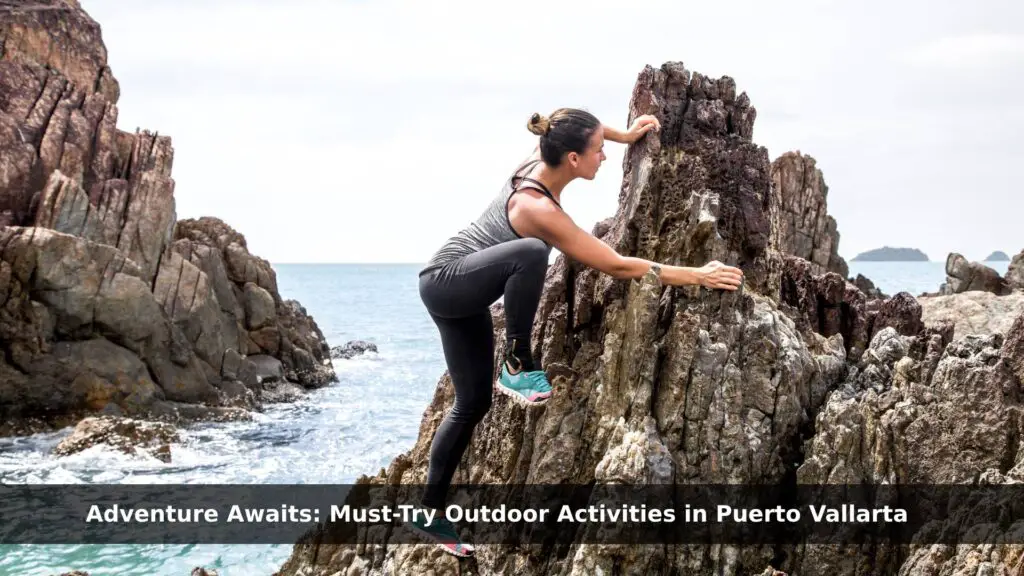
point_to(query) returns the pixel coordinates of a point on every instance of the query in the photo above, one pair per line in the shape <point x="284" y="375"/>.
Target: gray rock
<point x="352" y="349"/>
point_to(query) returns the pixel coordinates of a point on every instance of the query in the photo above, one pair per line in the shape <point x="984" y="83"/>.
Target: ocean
<point x="330" y="436"/>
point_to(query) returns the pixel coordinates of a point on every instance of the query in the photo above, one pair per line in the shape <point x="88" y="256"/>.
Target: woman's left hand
<point x="642" y="125"/>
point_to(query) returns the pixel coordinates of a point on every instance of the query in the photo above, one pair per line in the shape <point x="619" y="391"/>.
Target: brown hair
<point x="566" y="130"/>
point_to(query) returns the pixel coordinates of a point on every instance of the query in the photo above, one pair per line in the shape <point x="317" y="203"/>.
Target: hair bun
<point x="538" y="124"/>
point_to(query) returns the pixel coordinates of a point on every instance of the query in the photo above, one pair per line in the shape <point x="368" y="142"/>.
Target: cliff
<point x="656" y="385"/>
<point x="806" y="229"/>
<point x="109" y="303"/>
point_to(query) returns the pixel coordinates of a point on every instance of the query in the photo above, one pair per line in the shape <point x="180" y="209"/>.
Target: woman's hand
<point x="714" y="274"/>
<point x="642" y="125"/>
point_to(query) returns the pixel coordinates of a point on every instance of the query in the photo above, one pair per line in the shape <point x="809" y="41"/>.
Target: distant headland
<point x="888" y="254"/>
<point x="998" y="256"/>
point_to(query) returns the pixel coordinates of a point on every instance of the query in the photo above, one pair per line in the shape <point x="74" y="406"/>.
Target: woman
<point x="505" y="253"/>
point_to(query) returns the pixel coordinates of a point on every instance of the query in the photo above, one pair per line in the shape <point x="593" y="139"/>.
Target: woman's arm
<point x="543" y="220"/>
<point x="642" y="125"/>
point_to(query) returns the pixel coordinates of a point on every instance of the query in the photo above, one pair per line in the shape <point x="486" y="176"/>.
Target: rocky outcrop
<point x="828" y="305"/>
<point x="798" y="378"/>
<point x="107" y="301"/>
<point x="127" y="435"/>
<point x="711" y="386"/>
<point x="920" y="412"/>
<point x="806" y="229"/>
<point x="965" y="276"/>
<point x="865" y="285"/>
<point x="1015" y="272"/>
<point x="980" y="313"/>
<point x="997" y="256"/>
<point x="352" y="349"/>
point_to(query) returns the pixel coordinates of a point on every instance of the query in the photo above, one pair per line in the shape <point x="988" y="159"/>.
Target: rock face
<point x="965" y="276"/>
<point x="127" y="435"/>
<point x="980" y="313"/>
<point x="806" y="229"/>
<point x="107" y="301"/>
<point x="1015" y="272"/>
<point x="798" y="377"/>
<point x="826" y="304"/>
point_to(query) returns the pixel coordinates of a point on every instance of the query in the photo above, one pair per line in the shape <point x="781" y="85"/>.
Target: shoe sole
<point x="518" y="398"/>
<point x="429" y="536"/>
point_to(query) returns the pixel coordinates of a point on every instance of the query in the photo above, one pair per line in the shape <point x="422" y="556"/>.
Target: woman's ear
<point x="574" y="159"/>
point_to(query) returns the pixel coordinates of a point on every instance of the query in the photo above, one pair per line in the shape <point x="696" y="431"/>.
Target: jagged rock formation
<point x="806" y="229"/>
<point x="107" y="302"/>
<point x="865" y="285"/>
<point x="965" y="276"/>
<point x="980" y="313"/>
<point x="828" y="305"/>
<point x="680" y="385"/>
<point x="1015" y="272"/>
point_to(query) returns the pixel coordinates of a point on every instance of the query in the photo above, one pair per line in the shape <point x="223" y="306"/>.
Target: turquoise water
<point x="331" y="436"/>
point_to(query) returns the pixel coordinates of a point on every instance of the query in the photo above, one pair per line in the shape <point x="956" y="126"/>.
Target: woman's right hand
<point x="714" y="274"/>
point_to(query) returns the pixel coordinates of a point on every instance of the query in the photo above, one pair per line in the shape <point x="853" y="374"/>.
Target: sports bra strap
<point x="544" y="189"/>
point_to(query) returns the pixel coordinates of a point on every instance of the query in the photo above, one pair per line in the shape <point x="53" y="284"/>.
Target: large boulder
<point x="963" y="275"/>
<point x="107" y="301"/>
<point x="806" y="229"/>
<point x="124" y="434"/>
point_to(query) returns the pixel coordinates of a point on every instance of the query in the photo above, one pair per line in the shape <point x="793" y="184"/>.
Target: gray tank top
<point x="491" y="228"/>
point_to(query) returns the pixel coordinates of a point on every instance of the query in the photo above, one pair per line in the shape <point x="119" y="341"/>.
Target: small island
<point x="997" y="256"/>
<point x="888" y="254"/>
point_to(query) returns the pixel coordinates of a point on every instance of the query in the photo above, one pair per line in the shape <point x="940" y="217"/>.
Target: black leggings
<point x="458" y="297"/>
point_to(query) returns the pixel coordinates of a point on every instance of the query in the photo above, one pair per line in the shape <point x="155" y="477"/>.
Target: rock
<point x="917" y="412"/>
<point x="352" y="349"/>
<point x="807" y="230"/>
<point x="200" y="571"/>
<point x="828" y="305"/>
<point x="865" y="285"/>
<point x="639" y="368"/>
<point x="980" y="313"/>
<point x="965" y="276"/>
<point x="127" y="435"/>
<point x="888" y="254"/>
<point x="93" y="258"/>
<point x="268" y="368"/>
<point x="1015" y="272"/>
<point x="997" y="256"/>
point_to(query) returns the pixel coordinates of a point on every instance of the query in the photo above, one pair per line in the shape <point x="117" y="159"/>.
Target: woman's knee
<point x="534" y="253"/>
<point x="473" y="410"/>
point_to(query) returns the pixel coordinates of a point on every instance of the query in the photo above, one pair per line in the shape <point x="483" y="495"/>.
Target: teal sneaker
<point x="442" y="532"/>
<point x="524" y="387"/>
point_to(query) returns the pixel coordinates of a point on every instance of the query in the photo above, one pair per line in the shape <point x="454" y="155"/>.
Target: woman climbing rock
<point x="504" y="253"/>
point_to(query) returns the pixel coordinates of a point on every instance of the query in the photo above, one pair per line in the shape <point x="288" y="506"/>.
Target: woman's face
<point x="587" y="163"/>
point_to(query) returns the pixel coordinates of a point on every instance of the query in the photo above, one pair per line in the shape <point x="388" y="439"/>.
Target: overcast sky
<point x="371" y="131"/>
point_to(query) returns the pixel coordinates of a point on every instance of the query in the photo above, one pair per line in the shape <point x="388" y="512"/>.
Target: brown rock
<point x="128" y="436"/>
<point x="91" y="249"/>
<point x="807" y="231"/>
<point x="1015" y="272"/>
<point x="965" y="276"/>
<point x="639" y="368"/>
